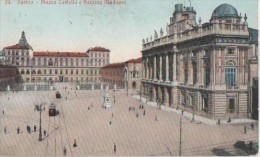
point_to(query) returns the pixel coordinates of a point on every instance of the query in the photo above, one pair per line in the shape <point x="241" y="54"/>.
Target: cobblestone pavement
<point x="90" y="126"/>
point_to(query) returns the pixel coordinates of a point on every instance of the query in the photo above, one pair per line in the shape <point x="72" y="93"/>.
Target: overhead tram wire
<point x="66" y="130"/>
<point x="46" y="154"/>
<point x="60" y="132"/>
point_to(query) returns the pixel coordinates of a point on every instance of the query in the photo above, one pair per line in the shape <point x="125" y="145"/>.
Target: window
<point x="231" y="105"/>
<point x="66" y="71"/>
<point x="61" y="71"/>
<point x="77" y="71"/>
<point x="44" y="71"/>
<point x="230" y="51"/>
<point x="194" y="66"/>
<point x="22" y="71"/>
<point x="56" y="71"/>
<point x="205" y="104"/>
<point x="81" y="71"/>
<point x="186" y="72"/>
<point x="71" y="71"/>
<point x="50" y="71"/>
<point x="230" y="73"/>
<point x="207" y="74"/>
<point x="39" y="71"/>
<point x="27" y="71"/>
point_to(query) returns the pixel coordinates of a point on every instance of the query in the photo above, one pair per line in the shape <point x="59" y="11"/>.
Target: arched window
<point x="22" y="71"/>
<point x="33" y="71"/>
<point x="185" y="72"/>
<point x="27" y="71"/>
<point x="230" y="73"/>
<point x="39" y="71"/>
<point x="194" y="67"/>
<point x="207" y="73"/>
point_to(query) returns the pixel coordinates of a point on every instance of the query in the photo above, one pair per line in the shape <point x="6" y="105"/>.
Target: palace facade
<point x="44" y="66"/>
<point x="201" y="68"/>
<point x="127" y="74"/>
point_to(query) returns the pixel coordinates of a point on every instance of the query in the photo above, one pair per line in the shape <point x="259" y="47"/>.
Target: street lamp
<point x="40" y="130"/>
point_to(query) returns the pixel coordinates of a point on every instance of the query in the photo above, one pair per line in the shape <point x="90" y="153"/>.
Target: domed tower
<point x="226" y="14"/>
<point x="183" y="18"/>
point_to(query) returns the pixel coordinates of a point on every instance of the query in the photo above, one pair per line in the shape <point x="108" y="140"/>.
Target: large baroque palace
<point x="39" y="66"/>
<point x="204" y="68"/>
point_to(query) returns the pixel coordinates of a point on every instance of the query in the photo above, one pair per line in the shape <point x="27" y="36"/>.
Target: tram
<point x="58" y="96"/>
<point x="53" y="111"/>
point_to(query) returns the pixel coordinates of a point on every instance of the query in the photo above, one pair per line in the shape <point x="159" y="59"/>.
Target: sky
<point x="120" y="28"/>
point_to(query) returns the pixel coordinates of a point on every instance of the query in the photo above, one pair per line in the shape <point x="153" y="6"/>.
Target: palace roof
<point x="60" y="54"/>
<point x="99" y="49"/>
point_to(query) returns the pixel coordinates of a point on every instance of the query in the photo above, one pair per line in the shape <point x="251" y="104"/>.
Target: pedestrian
<point x="177" y="108"/>
<point x="34" y="128"/>
<point x="110" y="122"/>
<point x="18" y="130"/>
<point x="218" y="122"/>
<point x="182" y="111"/>
<point x="3" y="111"/>
<point x="88" y="108"/>
<point x="66" y="98"/>
<point x="252" y="126"/>
<point x="44" y="132"/>
<point x="112" y="115"/>
<point x="114" y="148"/>
<point x="245" y="130"/>
<point x="114" y="101"/>
<point x="142" y="106"/>
<point x="29" y="129"/>
<point x="44" y="108"/>
<point x="144" y="112"/>
<point x="137" y="115"/>
<point x="75" y="143"/>
<point x="5" y="129"/>
<point x="229" y="120"/>
<point x="156" y="118"/>
<point x="64" y="151"/>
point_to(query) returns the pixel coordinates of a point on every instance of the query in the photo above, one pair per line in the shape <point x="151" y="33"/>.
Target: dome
<point x="225" y="10"/>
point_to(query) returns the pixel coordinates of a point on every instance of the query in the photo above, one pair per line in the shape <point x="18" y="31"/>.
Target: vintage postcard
<point x="129" y="78"/>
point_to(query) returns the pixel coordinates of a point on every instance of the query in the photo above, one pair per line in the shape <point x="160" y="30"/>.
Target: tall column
<point x="160" y="68"/>
<point x="146" y="65"/>
<point x="154" y="68"/>
<point x="174" y="67"/>
<point x="143" y="70"/>
<point x="167" y="68"/>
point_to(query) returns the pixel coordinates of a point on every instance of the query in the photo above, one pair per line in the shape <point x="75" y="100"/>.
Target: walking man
<point x="44" y="132"/>
<point x="144" y="112"/>
<point x="5" y="129"/>
<point x="64" y="151"/>
<point x="34" y="128"/>
<point x="252" y="126"/>
<point x="156" y="118"/>
<point x="245" y="130"/>
<point x="114" y="148"/>
<point x="18" y="130"/>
